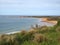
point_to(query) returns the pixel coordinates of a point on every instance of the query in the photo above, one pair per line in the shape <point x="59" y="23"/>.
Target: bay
<point x="8" y="24"/>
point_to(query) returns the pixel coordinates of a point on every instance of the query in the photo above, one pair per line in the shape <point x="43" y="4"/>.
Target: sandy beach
<point x="13" y="32"/>
<point x="46" y="20"/>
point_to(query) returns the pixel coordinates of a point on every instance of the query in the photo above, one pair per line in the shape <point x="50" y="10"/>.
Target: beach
<point x="12" y="32"/>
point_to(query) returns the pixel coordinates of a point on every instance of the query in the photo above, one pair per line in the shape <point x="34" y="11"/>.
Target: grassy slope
<point x="53" y="39"/>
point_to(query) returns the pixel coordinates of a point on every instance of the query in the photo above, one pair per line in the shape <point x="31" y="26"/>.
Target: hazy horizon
<point x="30" y="7"/>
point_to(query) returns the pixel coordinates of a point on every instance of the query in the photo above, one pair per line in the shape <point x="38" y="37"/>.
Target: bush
<point x="58" y="29"/>
<point x="39" y="38"/>
<point x="44" y="29"/>
<point x="23" y="32"/>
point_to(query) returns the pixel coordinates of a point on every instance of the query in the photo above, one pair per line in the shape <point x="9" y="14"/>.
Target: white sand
<point x="12" y="32"/>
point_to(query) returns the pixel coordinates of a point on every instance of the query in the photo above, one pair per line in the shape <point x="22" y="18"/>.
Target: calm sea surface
<point x="8" y="24"/>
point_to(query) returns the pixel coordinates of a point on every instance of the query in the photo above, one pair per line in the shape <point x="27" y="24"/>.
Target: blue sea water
<point x="8" y="24"/>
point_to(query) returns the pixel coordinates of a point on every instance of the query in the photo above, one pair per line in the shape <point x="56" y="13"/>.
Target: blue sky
<point x="29" y="7"/>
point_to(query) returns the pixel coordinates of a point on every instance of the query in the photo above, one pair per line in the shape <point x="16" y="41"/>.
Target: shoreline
<point x="12" y="32"/>
<point x="42" y="20"/>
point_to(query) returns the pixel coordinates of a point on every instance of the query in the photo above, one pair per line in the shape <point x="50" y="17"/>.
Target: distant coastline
<point x="49" y="21"/>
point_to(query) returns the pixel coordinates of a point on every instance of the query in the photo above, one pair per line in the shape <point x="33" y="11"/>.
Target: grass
<point x="36" y="36"/>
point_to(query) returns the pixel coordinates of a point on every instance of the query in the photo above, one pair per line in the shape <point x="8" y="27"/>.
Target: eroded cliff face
<point x="49" y="21"/>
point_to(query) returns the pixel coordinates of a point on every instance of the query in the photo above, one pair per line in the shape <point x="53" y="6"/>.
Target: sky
<point x="30" y="7"/>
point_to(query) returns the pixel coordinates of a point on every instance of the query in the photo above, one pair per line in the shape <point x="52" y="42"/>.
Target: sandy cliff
<point x="49" y="21"/>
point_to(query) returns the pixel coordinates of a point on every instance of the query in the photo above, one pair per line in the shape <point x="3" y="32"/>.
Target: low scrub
<point x="39" y="38"/>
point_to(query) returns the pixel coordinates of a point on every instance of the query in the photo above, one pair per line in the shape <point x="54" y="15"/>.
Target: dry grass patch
<point x="39" y="38"/>
<point x="33" y="31"/>
<point x="58" y="29"/>
<point x="23" y="32"/>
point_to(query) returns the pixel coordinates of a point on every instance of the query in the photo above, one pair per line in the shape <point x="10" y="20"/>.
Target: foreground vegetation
<point x="36" y="36"/>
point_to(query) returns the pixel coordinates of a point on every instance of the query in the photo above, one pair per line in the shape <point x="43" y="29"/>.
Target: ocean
<point x="16" y="23"/>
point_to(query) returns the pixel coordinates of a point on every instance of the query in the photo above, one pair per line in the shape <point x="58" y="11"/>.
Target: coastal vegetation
<point x="38" y="35"/>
